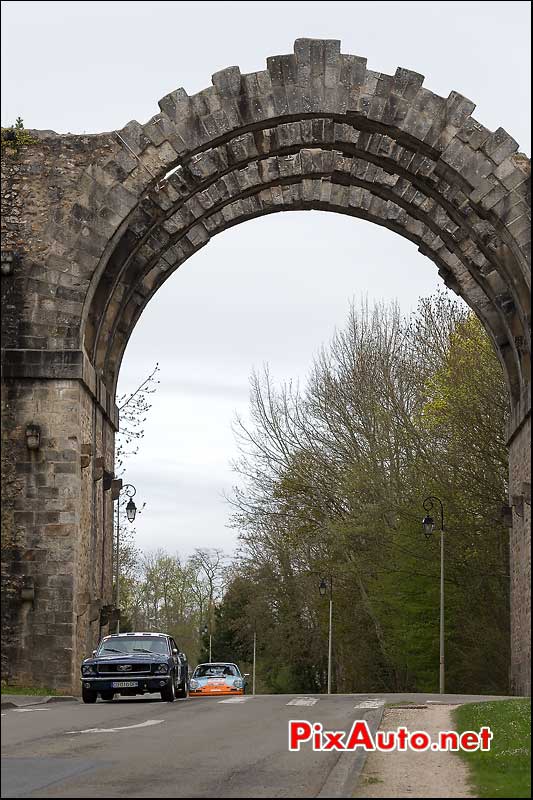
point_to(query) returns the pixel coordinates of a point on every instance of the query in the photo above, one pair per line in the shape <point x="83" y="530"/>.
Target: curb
<point x="39" y="700"/>
<point x="62" y="698"/>
<point x="343" y="779"/>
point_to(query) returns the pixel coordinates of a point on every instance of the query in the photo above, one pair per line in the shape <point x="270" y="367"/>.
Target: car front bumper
<point x="214" y="692"/>
<point x="151" y="684"/>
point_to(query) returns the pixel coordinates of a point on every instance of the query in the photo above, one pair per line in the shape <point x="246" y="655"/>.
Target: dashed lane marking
<point x="235" y="700"/>
<point x="303" y="701"/>
<point x="375" y="702"/>
<point x="124" y="728"/>
<point x="30" y="710"/>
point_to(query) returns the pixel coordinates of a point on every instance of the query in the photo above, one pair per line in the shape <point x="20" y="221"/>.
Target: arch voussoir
<point x="215" y="189"/>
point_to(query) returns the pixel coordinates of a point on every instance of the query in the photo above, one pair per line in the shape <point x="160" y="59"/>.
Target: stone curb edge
<point x="343" y="779"/>
<point x="40" y="701"/>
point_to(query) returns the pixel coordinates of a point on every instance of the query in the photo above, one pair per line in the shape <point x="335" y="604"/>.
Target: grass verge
<point x="30" y="690"/>
<point x="504" y="770"/>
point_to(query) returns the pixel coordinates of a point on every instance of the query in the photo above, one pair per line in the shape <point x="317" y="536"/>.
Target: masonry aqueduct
<point x="93" y="226"/>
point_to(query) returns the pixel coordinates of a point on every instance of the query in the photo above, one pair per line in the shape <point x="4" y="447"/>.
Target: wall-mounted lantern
<point x="33" y="437"/>
<point x="8" y="261"/>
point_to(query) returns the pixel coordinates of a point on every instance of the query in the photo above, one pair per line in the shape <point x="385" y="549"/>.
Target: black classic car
<point x="135" y="663"/>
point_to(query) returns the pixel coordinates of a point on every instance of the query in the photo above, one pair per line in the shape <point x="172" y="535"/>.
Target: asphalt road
<point x="201" y="747"/>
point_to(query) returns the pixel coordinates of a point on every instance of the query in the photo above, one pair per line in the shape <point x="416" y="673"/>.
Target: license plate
<point x="124" y="684"/>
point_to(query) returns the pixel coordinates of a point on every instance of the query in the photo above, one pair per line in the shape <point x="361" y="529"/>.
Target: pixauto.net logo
<point x="312" y="734"/>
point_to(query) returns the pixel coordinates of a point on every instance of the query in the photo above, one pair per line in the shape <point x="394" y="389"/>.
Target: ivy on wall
<point x="15" y="138"/>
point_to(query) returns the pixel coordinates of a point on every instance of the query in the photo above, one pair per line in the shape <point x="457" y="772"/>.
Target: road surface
<point x="199" y="747"/>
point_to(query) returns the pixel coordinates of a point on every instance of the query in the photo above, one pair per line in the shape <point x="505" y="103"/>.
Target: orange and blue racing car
<point x="220" y="678"/>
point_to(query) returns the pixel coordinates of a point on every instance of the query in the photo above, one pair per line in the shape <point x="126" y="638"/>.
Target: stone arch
<point x="315" y="115"/>
<point x="315" y="130"/>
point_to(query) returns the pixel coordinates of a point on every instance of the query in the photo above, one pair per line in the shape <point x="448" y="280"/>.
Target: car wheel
<point x="107" y="695"/>
<point x="88" y="695"/>
<point x="183" y="690"/>
<point x="168" y="694"/>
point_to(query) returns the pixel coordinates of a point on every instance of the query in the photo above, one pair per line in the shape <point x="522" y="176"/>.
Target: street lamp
<point x="131" y="510"/>
<point x="323" y="590"/>
<point x="428" y="526"/>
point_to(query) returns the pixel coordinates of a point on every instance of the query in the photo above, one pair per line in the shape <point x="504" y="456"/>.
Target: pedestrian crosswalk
<point x="235" y="700"/>
<point x="303" y="701"/>
<point x="369" y="703"/>
<point x="374" y="702"/>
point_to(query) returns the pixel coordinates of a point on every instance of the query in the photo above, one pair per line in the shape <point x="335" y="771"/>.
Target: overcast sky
<point x="270" y="290"/>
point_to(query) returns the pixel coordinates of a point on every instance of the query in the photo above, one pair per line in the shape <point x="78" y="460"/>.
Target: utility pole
<point x="323" y="588"/>
<point x="253" y="664"/>
<point x="428" y="524"/>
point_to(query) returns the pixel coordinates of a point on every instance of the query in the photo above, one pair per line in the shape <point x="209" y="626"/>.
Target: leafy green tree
<point x="332" y="479"/>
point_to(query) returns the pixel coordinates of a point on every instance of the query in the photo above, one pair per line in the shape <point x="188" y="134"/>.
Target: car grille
<point x="117" y="669"/>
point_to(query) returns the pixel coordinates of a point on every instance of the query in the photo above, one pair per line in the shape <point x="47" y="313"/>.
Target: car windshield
<point x="215" y="671"/>
<point x="129" y="645"/>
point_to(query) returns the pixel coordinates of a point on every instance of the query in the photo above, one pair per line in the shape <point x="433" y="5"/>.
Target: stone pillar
<point x="519" y="440"/>
<point x="57" y="523"/>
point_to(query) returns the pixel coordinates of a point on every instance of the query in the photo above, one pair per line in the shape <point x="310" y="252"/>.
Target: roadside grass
<point x="30" y="690"/>
<point x="504" y="770"/>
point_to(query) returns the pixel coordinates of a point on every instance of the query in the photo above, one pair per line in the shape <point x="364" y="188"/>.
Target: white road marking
<point x="235" y="700"/>
<point x="303" y="701"/>
<point x="124" y="728"/>
<point x="27" y="710"/>
<point x="375" y="702"/>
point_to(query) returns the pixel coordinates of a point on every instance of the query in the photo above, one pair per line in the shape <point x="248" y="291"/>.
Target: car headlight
<point x="160" y="668"/>
<point x="88" y="669"/>
<point x="238" y="683"/>
<point x="193" y="684"/>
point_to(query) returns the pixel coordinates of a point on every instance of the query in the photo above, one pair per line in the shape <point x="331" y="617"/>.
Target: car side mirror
<point x="174" y="651"/>
<point x="246" y="675"/>
<point x="94" y="653"/>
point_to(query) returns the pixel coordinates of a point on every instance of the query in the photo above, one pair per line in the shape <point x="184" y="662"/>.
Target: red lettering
<point x="385" y="740"/>
<point x="485" y="734"/>
<point x="317" y="736"/>
<point x="419" y="740"/>
<point x="449" y="740"/>
<point x="360" y="736"/>
<point x="402" y="736"/>
<point x="299" y="731"/>
<point x="469" y="740"/>
<point x="333" y="741"/>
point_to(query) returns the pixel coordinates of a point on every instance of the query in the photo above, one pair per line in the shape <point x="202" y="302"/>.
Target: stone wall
<point x="41" y="502"/>
<point x="56" y="515"/>
<point x="520" y="547"/>
<point x="93" y="225"/>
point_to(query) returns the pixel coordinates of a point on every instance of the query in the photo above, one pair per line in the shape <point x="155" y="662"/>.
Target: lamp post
<point x="323" y="589"/>
<point x="428" y="525"/>
<point x="253" y="663"/>
<point x="131" y="510"/>
<point x="206" y="632"/>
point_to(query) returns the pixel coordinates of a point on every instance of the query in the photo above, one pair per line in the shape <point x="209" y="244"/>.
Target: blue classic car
<point x="135" y="663"/>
